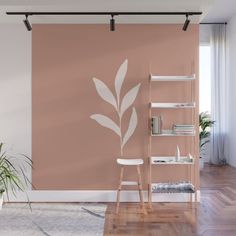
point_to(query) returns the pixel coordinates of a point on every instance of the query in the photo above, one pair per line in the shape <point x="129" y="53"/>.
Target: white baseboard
<point x="98" y="196"/>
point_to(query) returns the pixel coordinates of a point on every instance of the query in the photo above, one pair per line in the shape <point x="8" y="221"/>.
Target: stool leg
<point x="150" y="196"/>
<point x="150" y="186"/>
<point x="119" y="189"/>
<point x="140" y="188"/>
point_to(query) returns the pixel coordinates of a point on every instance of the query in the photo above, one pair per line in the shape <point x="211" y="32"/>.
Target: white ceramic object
<point x="190" y="157"/>
<point x="177" y="154"/>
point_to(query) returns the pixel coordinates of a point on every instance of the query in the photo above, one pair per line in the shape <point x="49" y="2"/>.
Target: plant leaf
<point x="132" y="126"/>
<point x="129" y="99"/>
<point x="104" y="92"/>
<point x="119" y="79"/>
<point x="204" y="143"/>
<point x="106" y="122"/>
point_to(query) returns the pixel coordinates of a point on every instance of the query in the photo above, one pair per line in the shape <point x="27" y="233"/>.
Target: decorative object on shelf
<point x="183" y="129"/>
<point x="120" y="105"/>
<point x="205" y="124"/>
<point x="178" y="187"/>
<point x="177" y="154"/>
<point x="156" y="124"/>
<point x="171" y="160"/>
<point x="160" y="161"/>
<point x="190" y="157"/>
<point x="12" y="173"/>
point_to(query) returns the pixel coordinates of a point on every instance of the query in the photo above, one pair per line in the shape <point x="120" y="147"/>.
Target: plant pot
<point x="1" y="200"/>
<point x="201" y="163"/>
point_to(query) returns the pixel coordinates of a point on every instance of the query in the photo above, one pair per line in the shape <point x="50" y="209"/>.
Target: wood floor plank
<point x="214" y="216"/>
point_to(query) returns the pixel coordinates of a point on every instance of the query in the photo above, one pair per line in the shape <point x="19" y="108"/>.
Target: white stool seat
<point x="129" y="183"/>
<point x="129" y="162"/>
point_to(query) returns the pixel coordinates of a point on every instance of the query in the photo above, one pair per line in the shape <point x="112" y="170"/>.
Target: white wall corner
<point x="231" y="74"/>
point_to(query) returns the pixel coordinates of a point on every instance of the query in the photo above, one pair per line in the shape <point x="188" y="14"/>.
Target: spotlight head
<point x="112" y="23"/>
<point x="27" y="24"/>
<point x="186" y="23"/>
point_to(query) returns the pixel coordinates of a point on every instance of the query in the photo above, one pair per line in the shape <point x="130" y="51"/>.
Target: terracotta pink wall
<point x="70" y="150"/>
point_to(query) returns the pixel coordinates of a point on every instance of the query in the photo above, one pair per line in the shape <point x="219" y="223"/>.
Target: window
<point x="205" y="79"/>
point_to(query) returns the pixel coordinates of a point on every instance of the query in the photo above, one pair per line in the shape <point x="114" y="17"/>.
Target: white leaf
<point x="132" y="126"/>
<point x="106" y="122"/>
<point x="129" y="99"/>
<point x="105" y="92"/>
<point x="120" y="76"/>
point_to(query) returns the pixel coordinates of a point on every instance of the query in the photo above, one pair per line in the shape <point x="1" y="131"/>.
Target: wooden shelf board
<point x="172" y="78"/>
<point x="170" y="133"/>
<point x="172" y="105"/>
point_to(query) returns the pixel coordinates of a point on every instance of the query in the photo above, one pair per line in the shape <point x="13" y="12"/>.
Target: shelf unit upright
<point x="170" y="160"/>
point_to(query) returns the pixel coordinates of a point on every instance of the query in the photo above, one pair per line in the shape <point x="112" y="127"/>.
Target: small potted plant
<point x="12" y="173"/>
<point x="1" y="198"/>
<point x="205" y="124"/>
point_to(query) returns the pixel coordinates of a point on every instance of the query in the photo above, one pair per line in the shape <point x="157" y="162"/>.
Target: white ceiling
<point x="104" y="5"/>
<point x="221" y="11"/>
<point x="213" y="10"/>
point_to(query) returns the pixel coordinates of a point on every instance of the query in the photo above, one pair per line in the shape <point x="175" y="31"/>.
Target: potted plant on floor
<point x="205" y="124"/>
<point x="12" y="174"/>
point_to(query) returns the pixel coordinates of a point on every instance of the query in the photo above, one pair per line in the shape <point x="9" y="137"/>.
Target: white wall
<point x="204" y="39"/>
<point x="15" y="88"/>
<point x="231" y="36"/>
<point x="205" y="34"/>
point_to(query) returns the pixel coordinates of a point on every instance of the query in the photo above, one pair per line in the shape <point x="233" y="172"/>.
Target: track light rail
<point x="29" y="13"/>
<point x="112" y="14"/>
<point x="213" y="23"/>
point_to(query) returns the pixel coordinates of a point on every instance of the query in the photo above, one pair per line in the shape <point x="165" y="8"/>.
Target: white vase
<point x="177" y="154"/>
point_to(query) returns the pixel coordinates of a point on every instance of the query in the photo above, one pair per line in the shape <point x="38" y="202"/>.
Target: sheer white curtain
<point x="219" y="101"/>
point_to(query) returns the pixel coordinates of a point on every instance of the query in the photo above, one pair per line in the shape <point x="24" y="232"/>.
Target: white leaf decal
<point x="132" y="125"/>
<point x="129" y="99"/>
<point x="106" y="122"/>
<point x="121" y="105"/>
<point x="120" y="76"/>
<point x="105" y="92"/>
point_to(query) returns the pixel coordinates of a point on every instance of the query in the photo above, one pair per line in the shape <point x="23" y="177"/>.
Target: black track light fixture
<point x="27" y="24"/>
<point x="186" y="23"/>
<point x="112" y="23"/>
<point x="112" y="14"/>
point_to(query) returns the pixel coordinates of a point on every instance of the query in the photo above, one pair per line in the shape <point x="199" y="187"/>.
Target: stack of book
<point x="184" y="129"/>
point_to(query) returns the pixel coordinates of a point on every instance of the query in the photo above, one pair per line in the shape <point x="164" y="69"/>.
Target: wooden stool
<point x="130" y="162"/>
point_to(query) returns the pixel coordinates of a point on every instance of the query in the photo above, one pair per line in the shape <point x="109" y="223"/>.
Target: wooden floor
<point x="214" y="216"/>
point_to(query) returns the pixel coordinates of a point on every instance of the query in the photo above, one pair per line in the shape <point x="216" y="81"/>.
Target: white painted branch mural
<point x="120" y="105"/>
